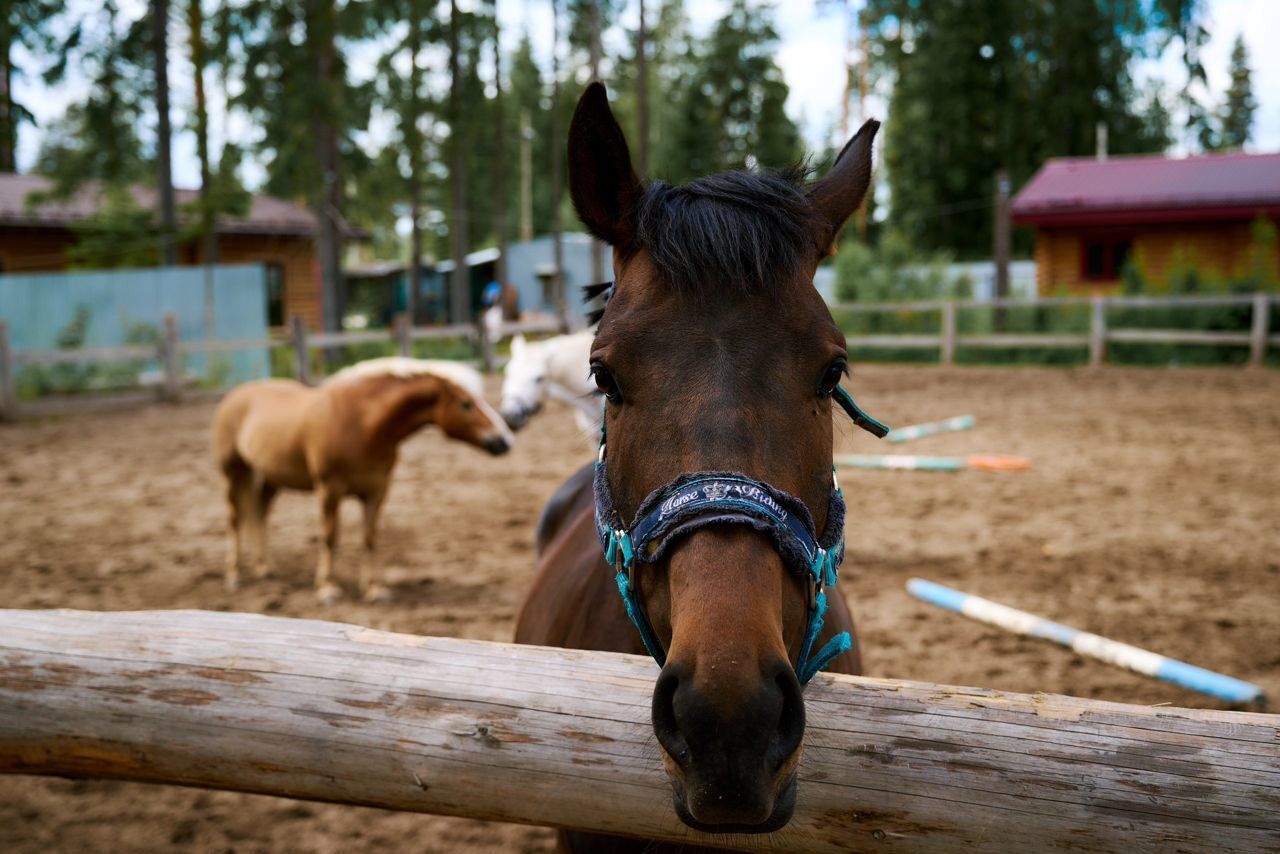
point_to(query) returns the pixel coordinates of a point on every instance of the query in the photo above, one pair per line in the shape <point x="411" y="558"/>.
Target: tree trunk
<point x="526" y="176"/>
<point x="459" y="281"/>
<point x="208" y="236"/>
<point x="557" y="173"/>
<point x="413" y="140"/>
<point x="642" y="96"/>
<point x="597" y="247"/>
<point x="164" y="169"/>
<point x="321" y="30"/>
<point x="499" y="160"/>
<point x="8" y="122"/>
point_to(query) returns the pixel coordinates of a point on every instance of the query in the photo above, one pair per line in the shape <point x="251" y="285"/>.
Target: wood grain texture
<point x="332" y="712"/>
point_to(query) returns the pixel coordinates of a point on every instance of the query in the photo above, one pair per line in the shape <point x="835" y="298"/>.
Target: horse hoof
<point x="378" y="594"/>
<point x="328" y="594"/>
<point x="262" y="571"/>
<point x="231" y="583"/>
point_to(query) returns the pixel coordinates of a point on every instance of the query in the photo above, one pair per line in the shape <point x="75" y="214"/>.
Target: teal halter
<point x="697" y="499"/>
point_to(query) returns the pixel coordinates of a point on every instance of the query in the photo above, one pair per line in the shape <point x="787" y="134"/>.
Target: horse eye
<point x="605" y="382"/>
<point x="831" y="377"/>
<point x="467" y="406"/>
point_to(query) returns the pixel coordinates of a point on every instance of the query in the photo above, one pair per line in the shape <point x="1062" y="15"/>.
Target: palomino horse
<point x="558" y="368"/>
<point x="714" y="497"/>
<point x="339" y="438"/>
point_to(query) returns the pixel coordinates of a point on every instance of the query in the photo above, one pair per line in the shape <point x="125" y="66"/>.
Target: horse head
<point x="717" y="355"/>
<point x="451" y="396"/>
<point x="524" y="383"/>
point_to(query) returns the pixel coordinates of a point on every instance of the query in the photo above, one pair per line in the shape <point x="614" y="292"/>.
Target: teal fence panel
<point x="117" y="307"/>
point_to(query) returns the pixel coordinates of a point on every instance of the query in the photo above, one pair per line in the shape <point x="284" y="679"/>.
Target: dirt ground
<point x="1150" y="517"/>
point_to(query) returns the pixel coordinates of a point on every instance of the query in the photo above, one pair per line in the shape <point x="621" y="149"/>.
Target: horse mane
<point x="738" y="229"/>
<point x="464" y="376"/>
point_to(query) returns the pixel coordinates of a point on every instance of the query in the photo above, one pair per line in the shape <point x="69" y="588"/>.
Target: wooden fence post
<point x="948" y="348"/>
<point x="1258" y="334"/>
<point x="402" y="331"/>
<point x="302" y="364"/>
<point x="8" y="394"/>
<point x="1097" y="331"/>
<point x="172" y="358"/>
<point x="487" y="355"/>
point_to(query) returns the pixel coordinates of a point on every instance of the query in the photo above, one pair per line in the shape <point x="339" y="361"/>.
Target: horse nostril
<point x="496" y="445"/>
<point x="665" y="725"/>
<point x="791" y="720"/>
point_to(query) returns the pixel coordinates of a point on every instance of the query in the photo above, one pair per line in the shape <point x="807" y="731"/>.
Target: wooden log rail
<point x="332" y="712"/>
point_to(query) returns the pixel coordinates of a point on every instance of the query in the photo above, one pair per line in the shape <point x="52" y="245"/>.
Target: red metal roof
<point x="267" y="215"/>
<point x="1150" y="189"/>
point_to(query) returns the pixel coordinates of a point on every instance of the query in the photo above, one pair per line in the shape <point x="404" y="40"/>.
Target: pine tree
<point x="1237" y="112"/>
<point x="991" y="84"/>
<point x="728" y="108"/>
<point x="25" y="24"/>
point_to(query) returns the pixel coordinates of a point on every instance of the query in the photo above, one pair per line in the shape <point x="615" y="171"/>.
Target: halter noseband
<point x="698" y="499"/>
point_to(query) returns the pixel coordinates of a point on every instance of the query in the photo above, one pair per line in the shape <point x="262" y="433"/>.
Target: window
<point x="275" y="294"/>
<point x="1103" y="260"/>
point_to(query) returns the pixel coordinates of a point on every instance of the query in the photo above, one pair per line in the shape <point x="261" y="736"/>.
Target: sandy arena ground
<point x="1150" y="517"/>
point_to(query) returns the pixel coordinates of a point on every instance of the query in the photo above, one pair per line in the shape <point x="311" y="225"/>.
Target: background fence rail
<point x="950" y="337"/>
<point x="171" y="383"/>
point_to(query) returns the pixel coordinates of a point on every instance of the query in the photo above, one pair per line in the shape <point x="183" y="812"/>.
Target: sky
<point x="810" y="53"/>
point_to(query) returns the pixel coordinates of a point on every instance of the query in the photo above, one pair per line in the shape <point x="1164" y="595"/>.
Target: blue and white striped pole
<point x="1085" y="643"/>
<point x="904" y="462"/>
<point x="917" y="431"/>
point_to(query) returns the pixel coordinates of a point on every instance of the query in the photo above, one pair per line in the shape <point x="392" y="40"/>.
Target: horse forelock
<point x="739" y="229"/>
<point x="464" y="376"/>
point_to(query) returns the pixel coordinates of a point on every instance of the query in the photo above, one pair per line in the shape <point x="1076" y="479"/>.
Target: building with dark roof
<point x="1092" y="217"/>
<point x="274" y="233"/>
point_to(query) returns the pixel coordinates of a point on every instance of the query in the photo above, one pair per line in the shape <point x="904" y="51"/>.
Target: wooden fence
<point x="339" y="713"/>
<point x="948" y="339"/>
<point x="170" y="383"/>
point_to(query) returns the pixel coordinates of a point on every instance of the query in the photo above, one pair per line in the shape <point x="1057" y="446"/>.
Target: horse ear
<point x="839" y="193"/>
<point x="602" y="182"/>
<point x="517" y="344"/>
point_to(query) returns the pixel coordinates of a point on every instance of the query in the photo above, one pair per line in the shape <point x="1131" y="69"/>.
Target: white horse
<point x="555" y="368"/>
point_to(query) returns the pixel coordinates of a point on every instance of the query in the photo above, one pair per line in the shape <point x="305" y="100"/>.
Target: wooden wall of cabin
<point x="1219" y="250"/>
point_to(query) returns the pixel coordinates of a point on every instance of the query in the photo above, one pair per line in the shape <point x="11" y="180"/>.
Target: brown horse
<point x="340" y="439"/>
<point x="715" y="353"/>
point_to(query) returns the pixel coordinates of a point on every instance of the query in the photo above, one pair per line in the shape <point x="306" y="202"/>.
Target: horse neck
<point x="396" y="408"/>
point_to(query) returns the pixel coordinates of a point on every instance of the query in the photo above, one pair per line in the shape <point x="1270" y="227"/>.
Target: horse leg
<point x="263" y="495"/>
<point x="326" y="591"/>
<point x="239" y="484"/>
<point x="371" y="585"/>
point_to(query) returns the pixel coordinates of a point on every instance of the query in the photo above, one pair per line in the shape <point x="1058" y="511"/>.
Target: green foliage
<point x="892" y="271"/>
<point x="97" y="139"/>
<point x="118" y="234"/>
<point x="1236" y="114"/>
<point x="26" y="26"/>
<point x="1000" y="83"/>
<point x="728" y="112"/>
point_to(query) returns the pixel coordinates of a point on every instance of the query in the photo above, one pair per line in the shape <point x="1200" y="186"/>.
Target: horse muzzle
<point x="497" y="445"/>
<point x="517" y="416"/>
<point x="731" y="759"/>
